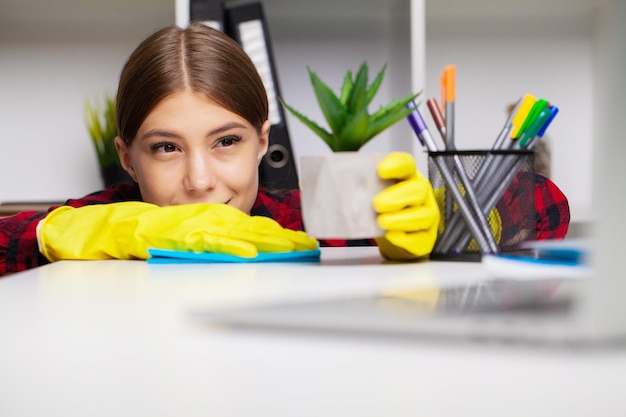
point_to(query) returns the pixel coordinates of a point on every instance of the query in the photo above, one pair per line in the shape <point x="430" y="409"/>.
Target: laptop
<point x="556" y="296"/>
<point x="505" y="310"/>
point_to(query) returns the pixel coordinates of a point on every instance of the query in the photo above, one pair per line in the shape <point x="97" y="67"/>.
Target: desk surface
<point x="103" y="338"/>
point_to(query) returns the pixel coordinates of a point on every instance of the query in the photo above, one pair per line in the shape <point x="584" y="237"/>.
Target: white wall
<point x="47" y="154"/>
<point x="54" y="55"/>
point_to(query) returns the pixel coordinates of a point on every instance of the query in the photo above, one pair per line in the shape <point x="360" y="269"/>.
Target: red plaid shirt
<point x="552" y="215"/>
<point x="18" y="238"/>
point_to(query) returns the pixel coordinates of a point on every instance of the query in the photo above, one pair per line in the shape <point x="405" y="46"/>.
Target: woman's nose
<point x="200" y="175"/>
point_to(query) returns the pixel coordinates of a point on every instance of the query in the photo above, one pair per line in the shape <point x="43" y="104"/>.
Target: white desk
<point x="114" y="338"/>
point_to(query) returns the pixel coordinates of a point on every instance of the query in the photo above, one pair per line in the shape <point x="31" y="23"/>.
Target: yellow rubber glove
<point x="407" y="210"/>
<point x="126" y="230"/>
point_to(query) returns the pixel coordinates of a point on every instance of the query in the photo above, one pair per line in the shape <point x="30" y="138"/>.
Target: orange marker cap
<point x="450" y="75"/>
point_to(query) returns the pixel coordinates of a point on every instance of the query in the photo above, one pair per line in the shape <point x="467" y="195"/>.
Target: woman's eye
<point x="228" y="141"/>
<point x="163" y="147"/>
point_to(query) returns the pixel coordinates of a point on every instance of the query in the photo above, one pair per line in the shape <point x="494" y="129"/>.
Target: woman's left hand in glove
<point x="407" y="210"/>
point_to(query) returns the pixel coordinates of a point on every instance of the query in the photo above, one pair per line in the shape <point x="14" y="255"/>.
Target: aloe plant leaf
<point x="317" y="129"/>
<point x="354" y="134"/>
<point x="101" y="126"/>
<point x="332" y="108"/>
<point x="110" y="132"/>
<point x="387" y="119"/>
<point x="394" y="106"/>
<point x="357" y="99"/>
<point x="94" y="129"/>
<point x="346" y="87"/>
<point x="373" y="88"/>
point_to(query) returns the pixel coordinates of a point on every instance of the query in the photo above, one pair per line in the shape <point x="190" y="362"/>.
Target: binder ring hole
<point x="277" y="156"/>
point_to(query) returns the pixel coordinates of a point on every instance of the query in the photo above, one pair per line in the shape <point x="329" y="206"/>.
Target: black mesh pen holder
<point x="496" y="211"/>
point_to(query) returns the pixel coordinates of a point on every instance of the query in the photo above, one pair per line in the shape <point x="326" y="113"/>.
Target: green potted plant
<point x="100" y="121"/>
<point x="337" y="188"/>
<point x="351" y="125"/>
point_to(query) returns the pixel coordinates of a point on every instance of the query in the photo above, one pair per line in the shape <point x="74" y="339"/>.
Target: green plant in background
<point x="351" y="125"/>
<point x="101" y="127"/>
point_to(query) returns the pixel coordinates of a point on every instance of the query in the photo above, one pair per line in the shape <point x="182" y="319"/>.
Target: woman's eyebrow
<point x="160" y="133"/>
<point x="226" y="127"/>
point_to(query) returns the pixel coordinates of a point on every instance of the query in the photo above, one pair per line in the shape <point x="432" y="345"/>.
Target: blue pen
<point x="553" y="111"/>
<point x="419" y="127"/>
<point x="415" y="124"/>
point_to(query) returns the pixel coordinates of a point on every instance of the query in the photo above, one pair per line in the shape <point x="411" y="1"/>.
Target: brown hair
<point x="199" y="58"/>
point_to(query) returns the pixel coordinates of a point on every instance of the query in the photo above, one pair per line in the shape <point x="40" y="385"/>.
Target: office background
<point x="55" y="54"/>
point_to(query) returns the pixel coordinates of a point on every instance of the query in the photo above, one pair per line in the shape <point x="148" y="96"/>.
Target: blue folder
<point x="573" y="251"/>
<point x="558" y="259"/>
<point x="165" y="256"/>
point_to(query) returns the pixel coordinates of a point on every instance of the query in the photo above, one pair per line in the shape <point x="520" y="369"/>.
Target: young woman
<point x="192" y="120"/>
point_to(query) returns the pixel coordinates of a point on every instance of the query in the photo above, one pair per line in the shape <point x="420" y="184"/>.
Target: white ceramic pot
<point x="337" y="193"/>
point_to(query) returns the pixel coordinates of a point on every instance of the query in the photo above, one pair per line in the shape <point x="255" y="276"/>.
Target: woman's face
<point x="191" y="150"/>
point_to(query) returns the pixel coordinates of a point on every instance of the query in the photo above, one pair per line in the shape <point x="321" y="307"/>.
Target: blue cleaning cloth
<point x="165" y="256"/>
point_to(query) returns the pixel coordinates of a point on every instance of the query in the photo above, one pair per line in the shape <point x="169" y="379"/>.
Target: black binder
<point x="208" y="12"/>
<point x="247" y="25"/>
